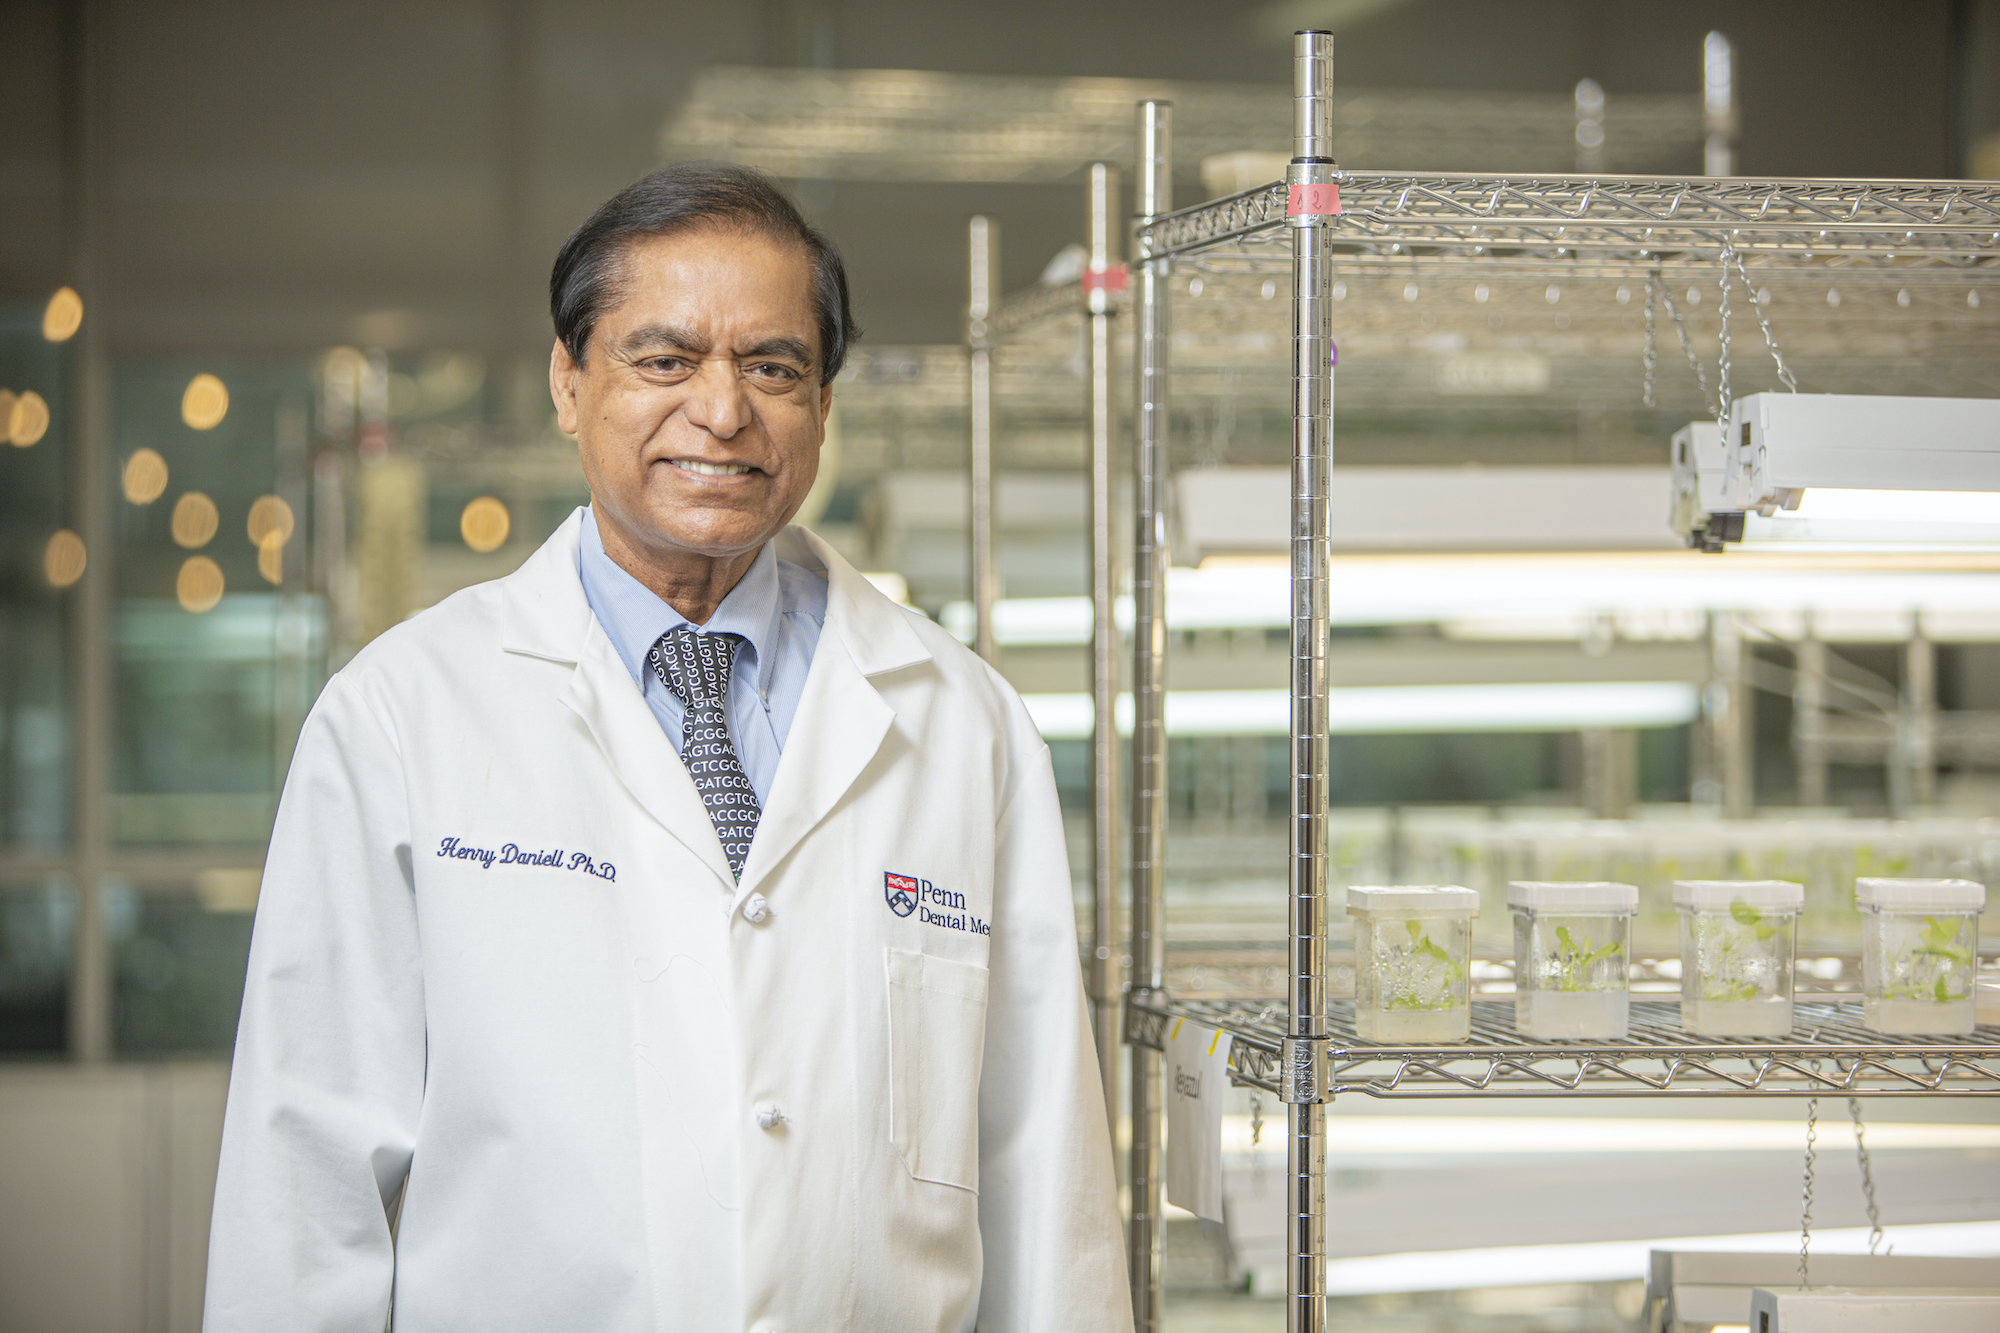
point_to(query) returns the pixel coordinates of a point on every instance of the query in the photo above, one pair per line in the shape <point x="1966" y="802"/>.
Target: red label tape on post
<point x="1313" y="201"/>
<point x="1111" y="280"/>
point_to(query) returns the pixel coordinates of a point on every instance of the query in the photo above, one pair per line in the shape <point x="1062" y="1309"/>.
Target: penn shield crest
<point x="901" y="892"/>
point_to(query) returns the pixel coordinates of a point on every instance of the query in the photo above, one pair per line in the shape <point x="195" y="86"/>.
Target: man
<point x="675" y="934"/>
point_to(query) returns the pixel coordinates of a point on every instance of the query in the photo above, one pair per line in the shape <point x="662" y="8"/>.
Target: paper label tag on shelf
<point x="1313" y="201"/>
<point x="1197" y="1074"/>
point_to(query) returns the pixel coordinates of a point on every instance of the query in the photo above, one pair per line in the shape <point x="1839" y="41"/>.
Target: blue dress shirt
<point x="777" y="607"/>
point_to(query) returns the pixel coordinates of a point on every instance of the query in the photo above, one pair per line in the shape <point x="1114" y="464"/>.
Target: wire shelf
<point x="1829" y="1053"/>
<point x="1641" y="220"/>
<point x="1023" y="310"/>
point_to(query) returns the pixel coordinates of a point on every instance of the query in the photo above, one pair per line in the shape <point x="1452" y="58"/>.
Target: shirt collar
<point x="634" y="617"/>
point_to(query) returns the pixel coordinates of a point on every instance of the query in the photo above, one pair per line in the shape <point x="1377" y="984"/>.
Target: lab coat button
<point x="756" y="909"/>
<point x="769" y="1117"/>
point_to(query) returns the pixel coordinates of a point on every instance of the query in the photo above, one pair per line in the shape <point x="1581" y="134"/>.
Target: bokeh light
<point x="271" y="562"/>
<point x="195" y="520"/>
<point x="29" y="420"/>
<point x="64" y="558"/>
<point x="63" y="315"/>
<point x="199" y="586"/>
<point x="145" y="477"/>
<point x="485" y="524"/>
<point x="270" y="522"/>
<point x="205" y="402"/>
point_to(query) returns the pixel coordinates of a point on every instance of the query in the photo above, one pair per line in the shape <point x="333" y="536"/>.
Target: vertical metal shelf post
<point x="1149" y="696"/>
<point x="1101" y="230"/>
<point x="1309" y="213"/>
<point x="983" y="293"/>
<point x="1916" y="727"/>
<point x="1728" y="704"/>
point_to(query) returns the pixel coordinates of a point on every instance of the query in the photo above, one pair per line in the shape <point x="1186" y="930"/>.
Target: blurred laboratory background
<point x="273" y="359"/>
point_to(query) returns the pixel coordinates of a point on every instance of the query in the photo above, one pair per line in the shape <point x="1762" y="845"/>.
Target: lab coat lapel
<point x="602" y="694"/>
<point x="842" y="718"/>
<point x="548" y="616"/>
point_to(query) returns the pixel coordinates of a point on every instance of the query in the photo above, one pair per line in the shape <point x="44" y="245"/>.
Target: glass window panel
<point x="34" y="638"/>
<point x="178" y="958"/>
<point x="219" y="646"/>
<point x="37" y="928"/>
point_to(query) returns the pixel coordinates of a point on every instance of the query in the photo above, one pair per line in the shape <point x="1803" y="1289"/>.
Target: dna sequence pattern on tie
<point x="696" y="667"/>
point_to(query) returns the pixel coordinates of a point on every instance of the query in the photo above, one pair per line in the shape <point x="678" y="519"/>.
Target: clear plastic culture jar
<point x="1412" y="945"/>
<point x="1572" y="959"/>
<point x="1919" y="941"/>
<point x="1737" y="938"/>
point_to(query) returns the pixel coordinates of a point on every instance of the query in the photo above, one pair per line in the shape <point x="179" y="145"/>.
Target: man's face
<point x="699" y="411"/>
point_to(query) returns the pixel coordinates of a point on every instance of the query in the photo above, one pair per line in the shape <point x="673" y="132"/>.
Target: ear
<point x="825" y="405"/>
<point x="563" y="372"/>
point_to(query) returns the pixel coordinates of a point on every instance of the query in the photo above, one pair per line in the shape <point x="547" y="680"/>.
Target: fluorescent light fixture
<point x="1612" y="1261"/>
<point x="1901" y="506"/>
<point x="1395" y="709"/>
<point x="1839" y="472"/>
<point x="1647" y="595"/>
<point x="1489" y="1135"/>
<point x="1695" y="485"/>
<point x="1247" y="510"/>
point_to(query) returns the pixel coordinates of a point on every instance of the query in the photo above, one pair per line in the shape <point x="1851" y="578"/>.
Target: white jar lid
<point x="1921" y="895"/>
<point x="1581" y="896"/>
<point x="1405" y="900"/>
<point x="1718" y="895"/>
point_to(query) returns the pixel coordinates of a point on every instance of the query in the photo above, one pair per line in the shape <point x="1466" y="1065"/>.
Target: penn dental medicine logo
<point x="906" y="894"/>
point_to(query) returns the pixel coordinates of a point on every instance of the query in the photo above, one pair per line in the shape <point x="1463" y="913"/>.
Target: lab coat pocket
<point x="937" y="1038"/>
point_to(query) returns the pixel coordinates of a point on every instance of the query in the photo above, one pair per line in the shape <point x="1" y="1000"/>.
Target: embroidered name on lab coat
<point x="933" y="906"/>
<point x="511" y="854"/>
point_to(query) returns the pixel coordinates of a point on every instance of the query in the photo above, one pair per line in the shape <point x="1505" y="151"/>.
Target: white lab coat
<point x="498" y="950"/>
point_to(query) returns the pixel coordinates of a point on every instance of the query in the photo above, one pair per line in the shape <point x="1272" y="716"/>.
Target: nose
<point x="716" y="401"/>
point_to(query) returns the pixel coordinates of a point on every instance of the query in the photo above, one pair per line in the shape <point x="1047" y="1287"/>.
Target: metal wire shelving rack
<point x="1829" y="1054"/>
<point x="1300" y="233"/>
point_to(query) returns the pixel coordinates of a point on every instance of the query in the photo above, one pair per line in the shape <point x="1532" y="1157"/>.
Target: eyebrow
<point x="663" y="335"/>
<point x="648" y="336"/>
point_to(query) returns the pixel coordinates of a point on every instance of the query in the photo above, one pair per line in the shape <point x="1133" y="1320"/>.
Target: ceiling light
<point x="64" y="558"/>
<point x="63" y="315"/>
<point x="195" y="520"/>
<point x="144" y="477"/>
<point x="484" y="524"/>
<point x="270" y="523"/>
<point x="204" y="403"/>
<point x="29" y="419"/>
<point x="199" y="586"/>
<point x="1386" y="709"/>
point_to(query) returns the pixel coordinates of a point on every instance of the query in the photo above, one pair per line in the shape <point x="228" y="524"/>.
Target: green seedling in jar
<point x="1932" y="980"/>
<point x="1746" y="915"/>
<point x="1574" y="961"/>
<point x="1424" y="976"/>
<point x="1724" y="955"/>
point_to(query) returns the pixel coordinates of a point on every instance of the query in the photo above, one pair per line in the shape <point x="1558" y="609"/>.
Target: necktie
<point x="695" y="666"/>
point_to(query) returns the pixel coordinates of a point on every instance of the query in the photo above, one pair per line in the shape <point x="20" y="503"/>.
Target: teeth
<point x="711" y="469"/>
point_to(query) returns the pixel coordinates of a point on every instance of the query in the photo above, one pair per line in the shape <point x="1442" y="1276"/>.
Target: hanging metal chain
<point x="1867" y="1178"/>
<point x="1687" y="343"/>
<point x="1722" y="360"/>
<point x="1764" y="322"/>
<point x="1806" y="1198"/>
<point x="1652" y="336"/>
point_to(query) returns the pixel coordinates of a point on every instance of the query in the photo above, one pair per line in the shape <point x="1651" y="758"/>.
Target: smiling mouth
<point x="696" y="466"/>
